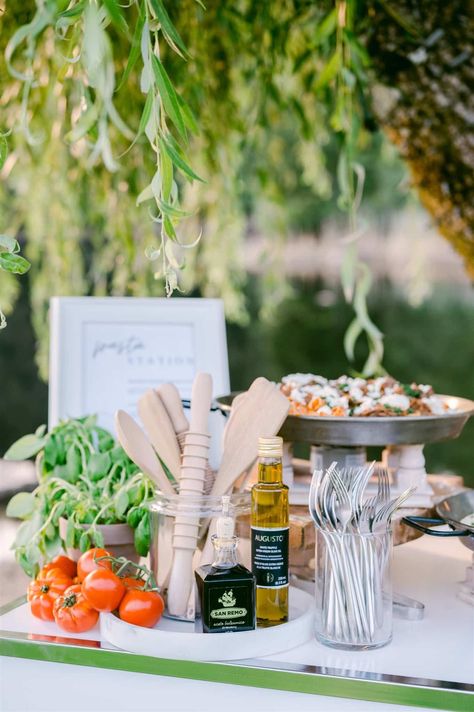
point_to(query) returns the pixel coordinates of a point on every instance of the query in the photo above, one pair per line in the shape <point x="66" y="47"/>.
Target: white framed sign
<point x="106" y="351"/>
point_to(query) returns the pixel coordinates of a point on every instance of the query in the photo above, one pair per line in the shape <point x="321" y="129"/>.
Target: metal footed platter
<point x="385" y="430"/>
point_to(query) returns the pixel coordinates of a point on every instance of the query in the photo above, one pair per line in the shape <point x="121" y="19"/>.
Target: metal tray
<point x="362" y="431"/>
<point x="291" y="676"/>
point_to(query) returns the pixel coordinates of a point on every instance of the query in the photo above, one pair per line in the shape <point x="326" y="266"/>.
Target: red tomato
<point x="72" y="612"/>
<point x="103" y="590"/>
<point x="88" y="563"/>
<point x="43" y="591"/>
<point x="141" y="608"/>
<point x="61" y="562"/>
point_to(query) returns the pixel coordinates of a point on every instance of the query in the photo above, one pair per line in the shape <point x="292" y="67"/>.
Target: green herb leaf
<point x="25" y="447"/>
<point x="30" y="568"/>
<point x="84" y="542"/>
<point x="142" y="535"/>
<point x="33" y="553"/>
<point x="98" y="538"/>
<point x="121" y="502"/>
<point x="98" y="465"/>
<point x="53" y="546"/>
<point x="70" y="537"/>
<point x="73" y="464"/>
<point x="21" y="505"/>
<point x="133" y="517"/>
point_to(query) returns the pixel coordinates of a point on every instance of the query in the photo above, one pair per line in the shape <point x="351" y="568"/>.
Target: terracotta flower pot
<point x="118" y="539"/>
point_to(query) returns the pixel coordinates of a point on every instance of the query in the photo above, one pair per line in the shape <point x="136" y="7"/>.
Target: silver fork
<point x="343" y="512"/>
<point x="385" y="513"/>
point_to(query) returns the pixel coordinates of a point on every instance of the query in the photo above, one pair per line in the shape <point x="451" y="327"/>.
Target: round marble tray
<point x="363" y="431"/>
<point x="177" y="640"/>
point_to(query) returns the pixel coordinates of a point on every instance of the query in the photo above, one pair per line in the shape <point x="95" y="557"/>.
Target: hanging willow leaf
<point x="115" y="13"/>
<point x="13" y="263"/>
<point x="170" y="210"/>
<point x="169" y="30"/>
<point x="169" y="228"/>
<point x="74" y="11"/>
<point x="85" y="122"/>
<point x="167" y="173"/>
<point x="146" y="113"/>
<point x="178" y="160"/>
<point x="3" y="150"/>
<point x="134" y="49"/>
<point x="168" y="96"/>
<point x="188" y="116"/>
<point x="325" y="28"/>
<point x="353" y="332"/>
<point x="329" y="71"/>
<point x="30" y="31"/>
<point x="9" y="243"/>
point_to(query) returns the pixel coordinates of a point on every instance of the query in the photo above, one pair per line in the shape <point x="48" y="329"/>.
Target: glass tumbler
<point x="353" y="589"/>
<point x="196" y="509"/>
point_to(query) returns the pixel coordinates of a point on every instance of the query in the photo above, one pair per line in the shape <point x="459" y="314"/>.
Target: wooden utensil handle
<point x="169" y="394"/>
<point x="201" y="397"/>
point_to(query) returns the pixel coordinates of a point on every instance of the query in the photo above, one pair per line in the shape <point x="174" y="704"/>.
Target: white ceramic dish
<point x="177" y="640"/>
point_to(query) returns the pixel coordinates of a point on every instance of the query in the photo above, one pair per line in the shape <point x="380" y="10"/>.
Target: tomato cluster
<point x="73" y="596"/>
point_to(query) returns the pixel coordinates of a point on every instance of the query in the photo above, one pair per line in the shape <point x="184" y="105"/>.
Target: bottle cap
<point x="270" y="447"/>
<point x="225" y="523"/>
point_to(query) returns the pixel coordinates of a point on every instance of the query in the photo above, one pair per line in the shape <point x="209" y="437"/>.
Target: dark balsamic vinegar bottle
<point x="225" y="589"/>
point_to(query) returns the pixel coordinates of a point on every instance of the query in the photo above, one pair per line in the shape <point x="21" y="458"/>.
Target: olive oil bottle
<point x="270" y="534"/>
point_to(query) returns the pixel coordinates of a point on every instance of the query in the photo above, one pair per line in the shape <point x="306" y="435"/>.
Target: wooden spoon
<point x="136" y="445"/>
<point x="160" y="430"/>
<point x="262" y="412"/>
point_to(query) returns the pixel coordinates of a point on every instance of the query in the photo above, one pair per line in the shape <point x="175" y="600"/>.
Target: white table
<point x="440" y="647"/>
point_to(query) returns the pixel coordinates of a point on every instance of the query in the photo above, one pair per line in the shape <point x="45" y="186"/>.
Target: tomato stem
<point x="69" y="601"/>
<point x="122" y="566"/>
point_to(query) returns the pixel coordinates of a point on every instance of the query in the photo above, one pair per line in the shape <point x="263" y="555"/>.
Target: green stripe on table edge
<point x="237" y="675"/>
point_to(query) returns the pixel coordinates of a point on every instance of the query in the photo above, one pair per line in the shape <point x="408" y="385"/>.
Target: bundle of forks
<point x="353" y="559"/>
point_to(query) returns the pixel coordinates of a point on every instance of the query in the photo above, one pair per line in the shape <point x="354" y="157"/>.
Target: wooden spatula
<point x="136" y="445"/>
<point x="262" y="412"/>
<point x="160" y="431"/>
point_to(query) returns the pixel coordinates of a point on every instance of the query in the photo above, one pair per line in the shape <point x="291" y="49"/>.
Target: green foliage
<point x="10" y="260"/>
<point x="84" y="477"/>
<point x="111" y="74"/>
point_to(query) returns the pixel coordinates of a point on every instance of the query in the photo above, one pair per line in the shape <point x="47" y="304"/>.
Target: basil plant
<point x="85" y="477"/>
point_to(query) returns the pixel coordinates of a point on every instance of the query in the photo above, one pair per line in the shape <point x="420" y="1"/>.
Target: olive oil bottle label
<point x="270" y="556"/>
<point x="230" y="607"/>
